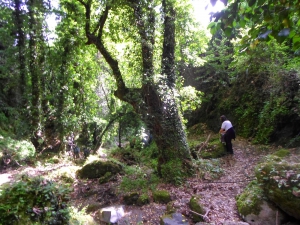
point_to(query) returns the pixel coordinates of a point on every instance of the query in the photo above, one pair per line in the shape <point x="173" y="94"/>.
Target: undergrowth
<point x="34" y="200"/>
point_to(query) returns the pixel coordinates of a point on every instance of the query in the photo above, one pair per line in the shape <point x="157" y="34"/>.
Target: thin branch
<point x="101" y="21"/>
<point x="205" y="217"/>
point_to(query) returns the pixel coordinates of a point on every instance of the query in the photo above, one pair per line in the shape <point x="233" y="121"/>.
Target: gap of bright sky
<point x="203" y="8"/>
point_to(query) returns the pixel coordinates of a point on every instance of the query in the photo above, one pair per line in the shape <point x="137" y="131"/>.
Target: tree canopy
<point x="262" y="21"/>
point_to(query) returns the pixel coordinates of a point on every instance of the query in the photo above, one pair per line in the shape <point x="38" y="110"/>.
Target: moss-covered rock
<point x="93" y="207"/>
<point x="161" y="196"/>
<point x="255" y="209"/>
<point x="196" y="207"/>
<point x="98" y="168"/>
<point x="282" y="153"/>
<point x="105" y="178"/>
<point x="250" y="200"/>
<point x="171" y="208"/>
<point x="143" y="200"/>
<point x="131" y="198"/>
<point x="281" y="184"/>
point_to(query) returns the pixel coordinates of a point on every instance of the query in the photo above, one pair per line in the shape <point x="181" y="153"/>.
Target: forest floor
<point x="217" y="193"/>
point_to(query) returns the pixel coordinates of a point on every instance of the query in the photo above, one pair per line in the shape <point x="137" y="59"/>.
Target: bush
<point x="19" y="149"/>
<point x="34" y="201"/>
<point x="172" y="172"/>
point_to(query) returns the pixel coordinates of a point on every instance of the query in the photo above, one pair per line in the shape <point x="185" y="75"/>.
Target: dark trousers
<point x="229" y="135"/>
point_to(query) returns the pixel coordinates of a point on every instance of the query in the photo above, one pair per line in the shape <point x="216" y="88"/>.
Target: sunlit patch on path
<point x="4" y="178"/>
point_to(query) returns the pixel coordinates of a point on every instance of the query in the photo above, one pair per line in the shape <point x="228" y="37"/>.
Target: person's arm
<point x="222" y="131"/>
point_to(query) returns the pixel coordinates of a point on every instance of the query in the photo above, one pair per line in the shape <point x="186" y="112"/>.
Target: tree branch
<point x="122" y="92"/>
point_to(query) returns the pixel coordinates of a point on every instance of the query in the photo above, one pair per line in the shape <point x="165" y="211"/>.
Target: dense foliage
<point x="258" y="91"/>
<point x="263" y="21"/>
<point x="34" y="200"/>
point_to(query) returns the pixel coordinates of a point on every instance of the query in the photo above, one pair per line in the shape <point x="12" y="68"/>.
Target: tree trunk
<point x="21" y="52"/>
<point x="34" y="73"/>
<point x="155" y="102"/>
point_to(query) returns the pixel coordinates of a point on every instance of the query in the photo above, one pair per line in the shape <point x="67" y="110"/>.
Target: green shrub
<point x="19" y="149"/>
<point x="138" y="179"/>
<point x="172" y="172"/>
<point x="34" y="201"/>
<point x="210" y="167"/>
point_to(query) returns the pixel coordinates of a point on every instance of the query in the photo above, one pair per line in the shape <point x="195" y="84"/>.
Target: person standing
<point x="229" y="133"/>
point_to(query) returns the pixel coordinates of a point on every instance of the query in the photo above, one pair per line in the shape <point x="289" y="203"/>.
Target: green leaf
<point x="292" y="34"/>
<point x="296" y="39"/>
<point x="228" y="31"/>
<point x="242" y="23"/>
<point x="234" y="23"/>
<point x="211" y="25"/>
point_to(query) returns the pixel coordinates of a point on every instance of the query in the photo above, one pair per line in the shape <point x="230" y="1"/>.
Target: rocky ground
<point x="217" y="193"/>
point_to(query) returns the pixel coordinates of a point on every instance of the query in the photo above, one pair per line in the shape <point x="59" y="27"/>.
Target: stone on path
<point x="111" y="214"/>
<point x="176" y="219"/>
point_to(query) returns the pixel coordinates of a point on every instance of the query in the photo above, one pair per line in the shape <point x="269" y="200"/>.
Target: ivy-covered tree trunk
<point x="21" y="52"/>
<point x="34" y="73"/>
<point x="155" y="100"/>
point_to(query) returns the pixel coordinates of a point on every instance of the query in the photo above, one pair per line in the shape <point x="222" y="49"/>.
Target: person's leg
<point x="228" y="144"/>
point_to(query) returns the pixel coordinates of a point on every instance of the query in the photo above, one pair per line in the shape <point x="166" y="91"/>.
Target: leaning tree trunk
<point x="155" y="102"/>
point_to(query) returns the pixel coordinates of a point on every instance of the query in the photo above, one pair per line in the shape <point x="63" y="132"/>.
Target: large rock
<point x="255" y="210"/>
<point x="98" y="168"/>
<point x="111" y="214"/>
<point x="174" y="219"/>
<point x="196" y="207"/>
<point x="161" y="196"/>
<point x="280" y="180"/>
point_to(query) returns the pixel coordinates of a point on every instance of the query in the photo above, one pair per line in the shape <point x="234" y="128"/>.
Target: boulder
<point x="161" y="196"/>
<point x="280" y="180"/>
<point x="255" y="209"/>
<point x="105" y="178"/>
<point x="131" y="198"/>
<point x="111" y="214"/>
<point x="196" y="207"/>
<point x="98" y="168"/>
<point x="174" y="219"/>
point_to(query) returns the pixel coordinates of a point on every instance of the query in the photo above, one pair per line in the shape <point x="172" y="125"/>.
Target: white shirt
<point x="226" y="125"/>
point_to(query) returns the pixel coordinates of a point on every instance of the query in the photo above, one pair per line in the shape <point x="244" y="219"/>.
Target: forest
<point x="110" y="112"/>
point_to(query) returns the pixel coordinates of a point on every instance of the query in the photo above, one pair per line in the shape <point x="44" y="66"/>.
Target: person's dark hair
<point x="223" y="118"/>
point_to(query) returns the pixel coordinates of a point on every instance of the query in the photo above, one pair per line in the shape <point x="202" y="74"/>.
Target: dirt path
<point x="218" y="195"/>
